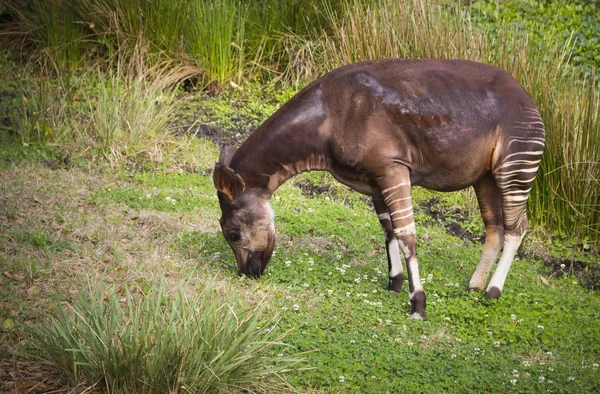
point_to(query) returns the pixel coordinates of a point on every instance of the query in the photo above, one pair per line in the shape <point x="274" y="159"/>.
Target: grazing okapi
<point x="381" y="127"/>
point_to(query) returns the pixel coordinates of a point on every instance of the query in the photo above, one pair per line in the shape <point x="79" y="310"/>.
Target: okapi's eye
<point x="234" y="236"/>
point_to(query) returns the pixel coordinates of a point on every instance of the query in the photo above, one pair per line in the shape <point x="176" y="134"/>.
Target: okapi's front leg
<point x="396" y="274"/>
<point x="396" y="193"/>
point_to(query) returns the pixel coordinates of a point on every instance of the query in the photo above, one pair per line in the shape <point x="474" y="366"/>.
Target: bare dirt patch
<point x="450" y="219"/>
<point x="587" y="274"/>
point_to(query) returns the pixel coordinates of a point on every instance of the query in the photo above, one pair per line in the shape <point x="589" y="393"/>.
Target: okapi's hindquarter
<point x="384" y="126"/>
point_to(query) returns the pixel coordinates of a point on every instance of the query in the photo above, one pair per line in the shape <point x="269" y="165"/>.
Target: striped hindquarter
<point x="503" y="197"/>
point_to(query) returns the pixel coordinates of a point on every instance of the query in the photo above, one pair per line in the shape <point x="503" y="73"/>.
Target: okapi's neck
<point x="291" y="141"/>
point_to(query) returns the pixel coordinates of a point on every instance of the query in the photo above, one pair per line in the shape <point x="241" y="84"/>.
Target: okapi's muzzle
<point x="253" y="265"/>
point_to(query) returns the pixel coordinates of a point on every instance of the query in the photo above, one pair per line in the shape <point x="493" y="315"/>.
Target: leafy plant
<point x="164" y="340"/>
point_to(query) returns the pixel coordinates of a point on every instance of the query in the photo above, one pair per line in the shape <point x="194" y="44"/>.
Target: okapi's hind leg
<point x="490" y="205"/>
<point x="514" y="174"/>
<point x="396" y="192"/>
<point x="396" y="274"/>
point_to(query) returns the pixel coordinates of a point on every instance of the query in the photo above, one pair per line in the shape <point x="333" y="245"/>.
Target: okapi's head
<point x="247" y="218"/>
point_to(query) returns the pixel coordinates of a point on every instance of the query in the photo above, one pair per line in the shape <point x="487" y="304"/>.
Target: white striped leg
<point x="396" y="193"/>
<point x="396" y="274"/>
<point x="490" y="205"/>
<point x="511" y="245"/>
<point x="515" y="226"/>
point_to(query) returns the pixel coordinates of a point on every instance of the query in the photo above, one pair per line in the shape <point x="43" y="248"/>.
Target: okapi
<point x="381" y="127"/>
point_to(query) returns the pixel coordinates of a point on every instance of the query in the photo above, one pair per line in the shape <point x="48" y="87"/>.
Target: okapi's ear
<point x="228" y="182"/>
<point x="226" y="154"/>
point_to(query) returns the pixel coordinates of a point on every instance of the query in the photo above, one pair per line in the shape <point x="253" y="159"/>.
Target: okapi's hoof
<point x="417" y="316"/>
<point x="492" y="293"/>
<point x="395" y="284"/>
<point x="417" y="304"/>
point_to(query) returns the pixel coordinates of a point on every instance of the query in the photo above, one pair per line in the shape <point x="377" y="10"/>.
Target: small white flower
<point x="458" y="340"/>
<point x="477" y="350"/>
<point x="513" y="316"/>
<point x="513" y="381"/>
<point x="571" y="378"/>
<point x="409" y="343"/>
<point x="453" y="356"/>
<point x="352" y="341"/>
<point x="541" y="379"/>
<point x="526" y="363"/>
<point x="288" y="263"/>
<point x="342" y="379"/>
<point x="284" y="308"/>
<point x="540" y="327"/>
<point x="330" y="292"/>
<point x="388" y="321"/>
<point x="562" y="266"/>
<point x="296" y="307"/>
<point x="347" y="294"/>
<point x="595" y="365"/>
<point x="515" y="373"/>
<point x="280" y="355"/>
<point x="550" y="369"/>
<point x="497" y="344"/>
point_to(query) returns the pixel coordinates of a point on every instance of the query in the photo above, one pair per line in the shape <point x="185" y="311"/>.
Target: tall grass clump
<point x="119" y="112"/>
<point x="566" y="195"/>
<point x="215" y="39"/>
<point x="165" y="341"/>
<point x="52" y="27"/>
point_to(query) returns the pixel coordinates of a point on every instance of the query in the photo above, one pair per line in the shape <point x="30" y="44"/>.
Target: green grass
<point x="94" y="183"/>
<point x="326" y="282"/>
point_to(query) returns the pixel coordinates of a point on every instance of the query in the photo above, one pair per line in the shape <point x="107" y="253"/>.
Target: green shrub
<point x="547" y="23"/>
<point x="164" y="340"/>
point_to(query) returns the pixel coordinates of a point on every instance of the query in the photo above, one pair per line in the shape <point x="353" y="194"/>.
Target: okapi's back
<point x="441" y="118"/>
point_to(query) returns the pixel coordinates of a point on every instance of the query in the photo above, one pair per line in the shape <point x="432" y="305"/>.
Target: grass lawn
<point x="66" y="225"/>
